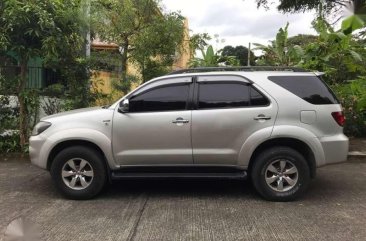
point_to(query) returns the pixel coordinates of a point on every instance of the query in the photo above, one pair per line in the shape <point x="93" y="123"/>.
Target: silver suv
<point x="274" y="125"/>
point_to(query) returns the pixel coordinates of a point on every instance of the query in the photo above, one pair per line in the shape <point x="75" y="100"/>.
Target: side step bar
<point x="181" y="175"/>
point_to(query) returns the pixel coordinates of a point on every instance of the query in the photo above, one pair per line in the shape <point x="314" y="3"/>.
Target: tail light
<point x="339" y="117"/>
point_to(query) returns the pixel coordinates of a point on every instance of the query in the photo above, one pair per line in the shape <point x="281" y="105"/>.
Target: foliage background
<point x="55" y="31"/>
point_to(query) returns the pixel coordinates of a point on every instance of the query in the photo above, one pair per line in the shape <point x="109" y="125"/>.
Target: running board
<point x="224" y="175"/>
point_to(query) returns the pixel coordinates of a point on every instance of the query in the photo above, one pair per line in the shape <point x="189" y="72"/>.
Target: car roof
<point x="245" y="71"/>
<point x="239" y="73"/>
<point x="239" y="68"/>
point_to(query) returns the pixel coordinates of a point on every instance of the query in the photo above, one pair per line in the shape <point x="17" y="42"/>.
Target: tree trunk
<point x="143" y="70"/>
<point x="124" y="60"/>
<point x="23" y="115"/>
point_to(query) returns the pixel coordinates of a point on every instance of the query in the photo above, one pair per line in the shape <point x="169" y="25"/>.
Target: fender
<point x="251" y="143"/>
<point x="93" y="136"/>
<point x="283" y="131"/>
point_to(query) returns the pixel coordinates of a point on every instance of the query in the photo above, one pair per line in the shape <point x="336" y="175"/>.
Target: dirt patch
<point x="357" y="144"/>
<point x="14" y="157"/>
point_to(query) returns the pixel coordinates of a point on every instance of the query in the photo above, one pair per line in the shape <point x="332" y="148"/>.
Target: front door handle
<point x="180" y="120"/>
<point x="262" y="117"/>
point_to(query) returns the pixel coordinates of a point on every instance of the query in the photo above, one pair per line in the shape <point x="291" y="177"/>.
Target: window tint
<point x="228" y="95"/>
<point x="257" y="99"/>
<point x="166" y="98"/>
<point x="309" y="88"/>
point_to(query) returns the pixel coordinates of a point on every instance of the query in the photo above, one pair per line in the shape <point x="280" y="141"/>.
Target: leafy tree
<point x="335" y="53"/>
<point x="353" y="98"/>
<point x="280" y="52"/>
<point x="47" y="28"/>
<point x="301" y="39"/>
<point x="140" y="29"/>
<point x="159" y="45"/>
<point x="212" y="59"/>
<point x="241" y="54"/>
<point x="154" y="69"/>
<point x="307" y="5"/>
<point x="199" y="42"/>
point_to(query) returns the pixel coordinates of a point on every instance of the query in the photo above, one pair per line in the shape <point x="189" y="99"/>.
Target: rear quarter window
<point x="310" y="88"/>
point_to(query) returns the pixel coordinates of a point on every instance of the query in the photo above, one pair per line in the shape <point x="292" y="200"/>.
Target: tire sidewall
<point x="94" y="159"/>
<point x="259" y="174"/>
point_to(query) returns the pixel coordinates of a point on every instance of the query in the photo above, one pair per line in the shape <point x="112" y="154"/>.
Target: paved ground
<point x="333" y="209"/>
<point x="357" y="147"/>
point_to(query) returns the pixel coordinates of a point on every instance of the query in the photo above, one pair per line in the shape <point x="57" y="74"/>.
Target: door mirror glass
<point x="124" y="106"/>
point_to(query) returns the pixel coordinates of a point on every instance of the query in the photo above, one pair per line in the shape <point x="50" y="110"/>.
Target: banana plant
<point x="280" y="53"/>
<point x="212" y="59"/>
<point x="335" y="52"/>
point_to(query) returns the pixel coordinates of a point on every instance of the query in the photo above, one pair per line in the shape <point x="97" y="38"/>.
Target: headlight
<point x="40" y="127"/>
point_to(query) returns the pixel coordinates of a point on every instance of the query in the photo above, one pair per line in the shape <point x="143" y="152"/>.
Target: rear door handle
<point x="180" y="120"/>
<point x="262" y="117"/>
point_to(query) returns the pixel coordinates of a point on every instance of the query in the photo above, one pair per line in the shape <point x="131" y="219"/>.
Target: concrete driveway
<point x="334" y="208"/>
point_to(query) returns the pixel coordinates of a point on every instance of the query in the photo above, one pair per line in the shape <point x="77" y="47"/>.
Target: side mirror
<point x="124" y="106"/>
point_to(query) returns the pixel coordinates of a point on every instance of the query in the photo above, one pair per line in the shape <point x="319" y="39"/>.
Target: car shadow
<point x="178" y="187"/>
<point x="321" y="189"/>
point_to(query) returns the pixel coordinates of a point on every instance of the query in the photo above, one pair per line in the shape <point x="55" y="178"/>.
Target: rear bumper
<point x="335" y="148"/>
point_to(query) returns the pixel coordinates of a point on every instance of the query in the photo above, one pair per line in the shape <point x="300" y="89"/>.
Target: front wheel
<point x="79" y="172"/>
<point x="280" y="174"/>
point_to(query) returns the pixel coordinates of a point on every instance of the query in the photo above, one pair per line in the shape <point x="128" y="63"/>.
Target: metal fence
<point x="38" y="77"/>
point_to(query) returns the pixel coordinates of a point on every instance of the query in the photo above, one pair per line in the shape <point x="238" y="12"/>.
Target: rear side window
<point x="257" y="99"/>
<point x="310" y="88"/>
<point x="229" y="95"/>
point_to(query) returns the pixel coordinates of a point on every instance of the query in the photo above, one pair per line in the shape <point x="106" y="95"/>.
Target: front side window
<point x="229" y="95"/>
<point x="164" y="98"/>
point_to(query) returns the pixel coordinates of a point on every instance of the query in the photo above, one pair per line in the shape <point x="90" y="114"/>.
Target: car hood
<point x="72" y="112"/>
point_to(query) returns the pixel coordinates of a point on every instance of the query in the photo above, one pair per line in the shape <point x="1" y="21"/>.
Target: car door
<point x="157" y="127"/>
<point x="228" y="110"/>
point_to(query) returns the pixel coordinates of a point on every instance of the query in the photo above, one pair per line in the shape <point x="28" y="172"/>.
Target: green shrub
<point x="353" y="98"/>
<point x="8" y="115"/>
<point x="9" y="142"/>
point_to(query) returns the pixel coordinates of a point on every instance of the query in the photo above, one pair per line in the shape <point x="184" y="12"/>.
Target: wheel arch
<point x="294" y="143"/>
<point x="73" y="142"/>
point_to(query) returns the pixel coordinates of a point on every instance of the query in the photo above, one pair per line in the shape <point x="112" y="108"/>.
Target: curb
<point x="357" y="154"/>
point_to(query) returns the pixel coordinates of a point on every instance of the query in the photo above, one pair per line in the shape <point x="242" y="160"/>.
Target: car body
<point x="188" y="123"/>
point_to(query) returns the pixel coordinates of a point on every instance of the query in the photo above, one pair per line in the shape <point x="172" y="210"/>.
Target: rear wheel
<point x="280" y="174"/>
<point x="79" y="172"/>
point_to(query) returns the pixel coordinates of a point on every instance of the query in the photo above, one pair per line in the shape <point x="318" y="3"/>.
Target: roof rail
<point x="239" y="68"/>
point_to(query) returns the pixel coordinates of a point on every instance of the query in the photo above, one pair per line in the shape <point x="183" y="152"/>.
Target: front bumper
<point x="335" y="148"/>
<point x="37" y="151"/>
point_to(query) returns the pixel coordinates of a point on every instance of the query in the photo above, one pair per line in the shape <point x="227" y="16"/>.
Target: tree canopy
<point x="281" y="51"/>
<point x="307" y="5"/>
<point x="199" y="41"/>
<point x="211" y="58"/>
<point x="241" y="54"/>
<point x="50" y="29"/>
<point x="43" y="28"/>
<point x="139" y="27"/>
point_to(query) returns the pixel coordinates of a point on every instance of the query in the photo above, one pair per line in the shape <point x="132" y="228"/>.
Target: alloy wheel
<point x="281" y="175"/>
<point x="77" y="173"/>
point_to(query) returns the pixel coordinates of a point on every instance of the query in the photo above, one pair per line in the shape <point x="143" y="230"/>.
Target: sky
<point x="238" y="22"/>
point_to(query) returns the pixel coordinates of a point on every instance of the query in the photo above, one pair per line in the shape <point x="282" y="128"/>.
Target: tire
<point x="267" y="176"/>
<point x="75" y="182"/>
